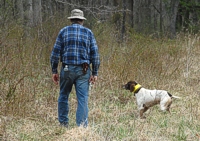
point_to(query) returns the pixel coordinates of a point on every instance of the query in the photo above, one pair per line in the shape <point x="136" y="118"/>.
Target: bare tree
<point x="123" y="21"/>
<point x="169" y="14"/>
<point x="146" y="16"/>
<point x="20" y="9"/>
<point x="29" y="12"/>
<point x="37" y="15"/>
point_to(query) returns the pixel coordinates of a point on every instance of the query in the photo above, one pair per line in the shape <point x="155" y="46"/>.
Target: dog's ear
<point x="135" y="82"/>
<point x="132" y="87"/>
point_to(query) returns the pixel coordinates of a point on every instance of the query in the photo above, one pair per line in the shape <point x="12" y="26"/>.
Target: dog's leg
<point x="142" y="111"/>
<point x="141" y="114"/>
<point x="168" y="107"/>
<point x="168" y="110"/>
<point x="165" y="104"/>
<point x="145" y="108"/>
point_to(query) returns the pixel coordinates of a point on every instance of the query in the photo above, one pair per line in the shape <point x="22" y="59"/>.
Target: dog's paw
<point x="143" y="117"/>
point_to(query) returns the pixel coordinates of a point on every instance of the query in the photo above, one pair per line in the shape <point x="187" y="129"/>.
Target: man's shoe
<point x="64" y="125"/>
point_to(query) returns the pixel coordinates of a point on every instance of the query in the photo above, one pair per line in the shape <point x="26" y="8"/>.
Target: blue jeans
<point x="74" y="76"/>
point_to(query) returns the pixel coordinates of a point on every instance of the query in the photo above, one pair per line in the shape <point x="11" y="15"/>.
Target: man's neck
<point x="77" y="22"/>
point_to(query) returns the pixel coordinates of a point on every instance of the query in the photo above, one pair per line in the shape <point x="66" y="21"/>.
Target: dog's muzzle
<point x="124" y="87"/>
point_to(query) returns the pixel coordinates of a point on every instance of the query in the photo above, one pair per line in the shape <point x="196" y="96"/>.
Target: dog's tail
<point x="173" y="96"/>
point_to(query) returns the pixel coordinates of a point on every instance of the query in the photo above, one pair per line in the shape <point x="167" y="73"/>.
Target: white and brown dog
<point x="147" y="98"/>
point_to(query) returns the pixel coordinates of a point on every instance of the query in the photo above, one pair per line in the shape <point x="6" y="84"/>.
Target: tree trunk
<point x="20" y="10"/>
<point x="161" y="20"/>
<point x="170" y="9"/>
<point x="174" y="10"/>
<point x="123" y="21"/>
<point x="136" y="15"/>
<point x="67" y="7"/>
<point x="132" y="13"/>
<point x="37" y="15"/>
<point x="29" y="13"/>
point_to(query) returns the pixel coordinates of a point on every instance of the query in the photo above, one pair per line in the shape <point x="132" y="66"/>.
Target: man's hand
<point x="55" y="78"/>
<point x="93" y="79"/>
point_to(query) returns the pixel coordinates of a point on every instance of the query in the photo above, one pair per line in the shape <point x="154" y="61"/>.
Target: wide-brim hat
<point x="77" y="14"/>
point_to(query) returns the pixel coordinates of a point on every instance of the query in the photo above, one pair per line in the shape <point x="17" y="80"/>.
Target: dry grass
<point x="28" y="98"/>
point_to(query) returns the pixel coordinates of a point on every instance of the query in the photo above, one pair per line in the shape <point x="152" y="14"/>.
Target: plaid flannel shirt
<point x="75" y="45"/>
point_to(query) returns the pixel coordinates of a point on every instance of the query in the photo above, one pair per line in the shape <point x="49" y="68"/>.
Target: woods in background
<point x="160" y="17"/>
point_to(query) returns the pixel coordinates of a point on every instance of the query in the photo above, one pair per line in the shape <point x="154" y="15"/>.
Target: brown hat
<point x="77" y="14"/>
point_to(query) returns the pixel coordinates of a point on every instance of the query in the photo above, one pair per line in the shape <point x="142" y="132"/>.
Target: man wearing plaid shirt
<point x="76" y="48"/>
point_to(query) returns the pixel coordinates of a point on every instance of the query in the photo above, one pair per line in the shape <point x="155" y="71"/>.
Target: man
<point x="76" y="48"/>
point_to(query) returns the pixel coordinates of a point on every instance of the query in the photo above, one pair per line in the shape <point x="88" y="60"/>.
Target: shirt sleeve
<point x="95" y="58"/>
<point x="55" y="54"/>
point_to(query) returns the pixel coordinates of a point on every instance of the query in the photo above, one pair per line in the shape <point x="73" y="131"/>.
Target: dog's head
<point x="130" y="86"/>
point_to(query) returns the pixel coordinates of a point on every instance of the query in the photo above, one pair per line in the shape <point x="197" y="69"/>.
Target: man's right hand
<point x="55" y="78"/>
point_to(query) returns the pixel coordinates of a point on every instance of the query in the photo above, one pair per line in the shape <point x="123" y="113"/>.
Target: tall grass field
<point x="28" y="96"/>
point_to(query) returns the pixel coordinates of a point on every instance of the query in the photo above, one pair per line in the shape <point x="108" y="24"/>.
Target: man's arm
<point x="55" y="56"/>
<point x="95" y="59"/>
